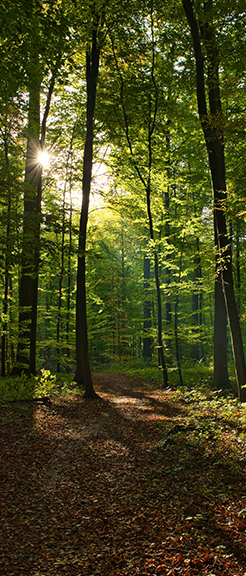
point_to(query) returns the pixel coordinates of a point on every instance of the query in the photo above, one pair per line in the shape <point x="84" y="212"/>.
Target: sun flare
<point x="44" y="158"/>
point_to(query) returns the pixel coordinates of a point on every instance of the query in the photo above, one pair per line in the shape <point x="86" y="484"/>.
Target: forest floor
<point x="138" y="482"/>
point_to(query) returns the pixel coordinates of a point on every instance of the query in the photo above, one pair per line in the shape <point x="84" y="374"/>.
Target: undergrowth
<point x="24" y="387"/>
<point x="196" y="376"/>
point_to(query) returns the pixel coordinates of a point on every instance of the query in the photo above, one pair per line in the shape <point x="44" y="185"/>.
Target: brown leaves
<point x="93" y="488"/>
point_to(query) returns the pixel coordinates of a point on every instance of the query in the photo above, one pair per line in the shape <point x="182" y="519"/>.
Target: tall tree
<point x="146" y="180"/>
<point x="214" y="136"/>
<point x="83" y="370"/>
<point x="28" y="291"/>
<point x="42" y="25"/>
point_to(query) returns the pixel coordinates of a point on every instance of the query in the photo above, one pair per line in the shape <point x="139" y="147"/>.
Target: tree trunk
<point x="213" y="132"/>
<point x="61" y="275"/>
<point x="158" y="292"/>
<point x="6" y="263"/>
<point x="28" y="289"/>
<point x="238" y="270"/>
<point x="176" y="302"/>
<point x="30" y="234"/>
<point x="69" y="276"/>
<point x="167" y="231"/>
<point x="147" y="340"/>
<point x="221" y="376"/>
<point x="147" y="186"/>
<point x="177" y="346"/>
<point x="197" y="349"/>
<point x="83" y="371"/>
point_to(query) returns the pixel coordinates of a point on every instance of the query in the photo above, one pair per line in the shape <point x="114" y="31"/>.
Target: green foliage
<point x="24" y="387"/>
<point x="45" y="383"/>
<point x="17" y="388"/>
<point x="117" y="229"/>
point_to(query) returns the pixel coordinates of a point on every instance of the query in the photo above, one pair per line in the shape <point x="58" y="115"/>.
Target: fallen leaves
<point x="94" y="488"/>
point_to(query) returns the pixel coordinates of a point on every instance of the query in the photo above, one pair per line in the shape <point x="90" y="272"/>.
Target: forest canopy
<point x="122" y="198"/>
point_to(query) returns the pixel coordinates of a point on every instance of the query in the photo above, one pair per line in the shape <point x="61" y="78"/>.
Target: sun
<point x="43" y="158"/>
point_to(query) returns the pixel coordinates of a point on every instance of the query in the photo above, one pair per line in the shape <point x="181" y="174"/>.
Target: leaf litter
<point x="139" y="482"/>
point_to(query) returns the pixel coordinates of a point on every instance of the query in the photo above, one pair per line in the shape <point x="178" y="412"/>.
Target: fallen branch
<point x="43" y="399"/>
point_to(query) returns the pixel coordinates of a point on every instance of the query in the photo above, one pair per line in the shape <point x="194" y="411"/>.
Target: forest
<point x="122" y="273"/>
<point x="122" y="188"/>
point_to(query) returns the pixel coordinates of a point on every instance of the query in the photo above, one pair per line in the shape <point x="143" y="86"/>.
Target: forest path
<point x="137" y="482"/>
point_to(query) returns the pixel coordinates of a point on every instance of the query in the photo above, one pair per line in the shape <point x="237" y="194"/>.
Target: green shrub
<point x="17" y="388"/>
<point x="45" y="383"/>
<point x="25" y="387"/>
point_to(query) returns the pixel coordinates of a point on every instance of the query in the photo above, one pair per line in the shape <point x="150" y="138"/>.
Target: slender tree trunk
<point x="147" y="340"/>
<point x="83" y="371"/>
<point x="69" y="276"/>
<point x="221" y="376"/>
<point x="11" y="354"/>
<point x="177" y="345"/>
<point x="122" y="325"/>
<point x="238" y="269"/>
<point x="167" y="229"/>
<point x="6" y="264"/>
<point x="61" y="275"/>
<point x="158" y="292"/>
<point x="196" y="351"/>
<point x="147" y="186"/>
<point x="176" y="302"/>
<point x="214" y="137"/>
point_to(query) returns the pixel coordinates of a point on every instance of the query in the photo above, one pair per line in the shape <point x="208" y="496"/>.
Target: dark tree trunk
<point x="158" y="291"/>
<point x="197" y="351"/>
<point x="122" y="306"/>
<point x="30" y="236"/>
<point x="6" y="265"/>
<point x="167" y="228"/>
<point x="167" y="267"/>
<point x="28" y="289"/>
<point x="176" y="302"/>
<point x="176" y="336"/>
<point x="221" y="376"/>
<point x="36" y="214"/>
<point x="238" y="270"/>
<point x="69" y="277"/>
<point x="147" y="339"/>
<point x="213" y="132"/>
<point x="61" y="277"/>
<point x="11" y="354"/>
<point x="83" y="371"/>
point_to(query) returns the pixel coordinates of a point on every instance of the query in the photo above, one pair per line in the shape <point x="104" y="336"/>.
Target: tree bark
<point x="197" y="348"/>
<point x="214" y="137"/>
<point x="69" y="275"/>
<point x="147" y="340"/>
<point x="28" y="288"/>
<point x="83" y="371"/>
<point x="167" y="230"/>
<point x="30" y="233"/>
<point x="6" y="263"/>
<point x="221" y="376"/>
<point x="157" y="284"/>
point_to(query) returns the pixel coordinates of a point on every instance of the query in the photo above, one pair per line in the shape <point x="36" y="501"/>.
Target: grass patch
<point x="196" y="374"/>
